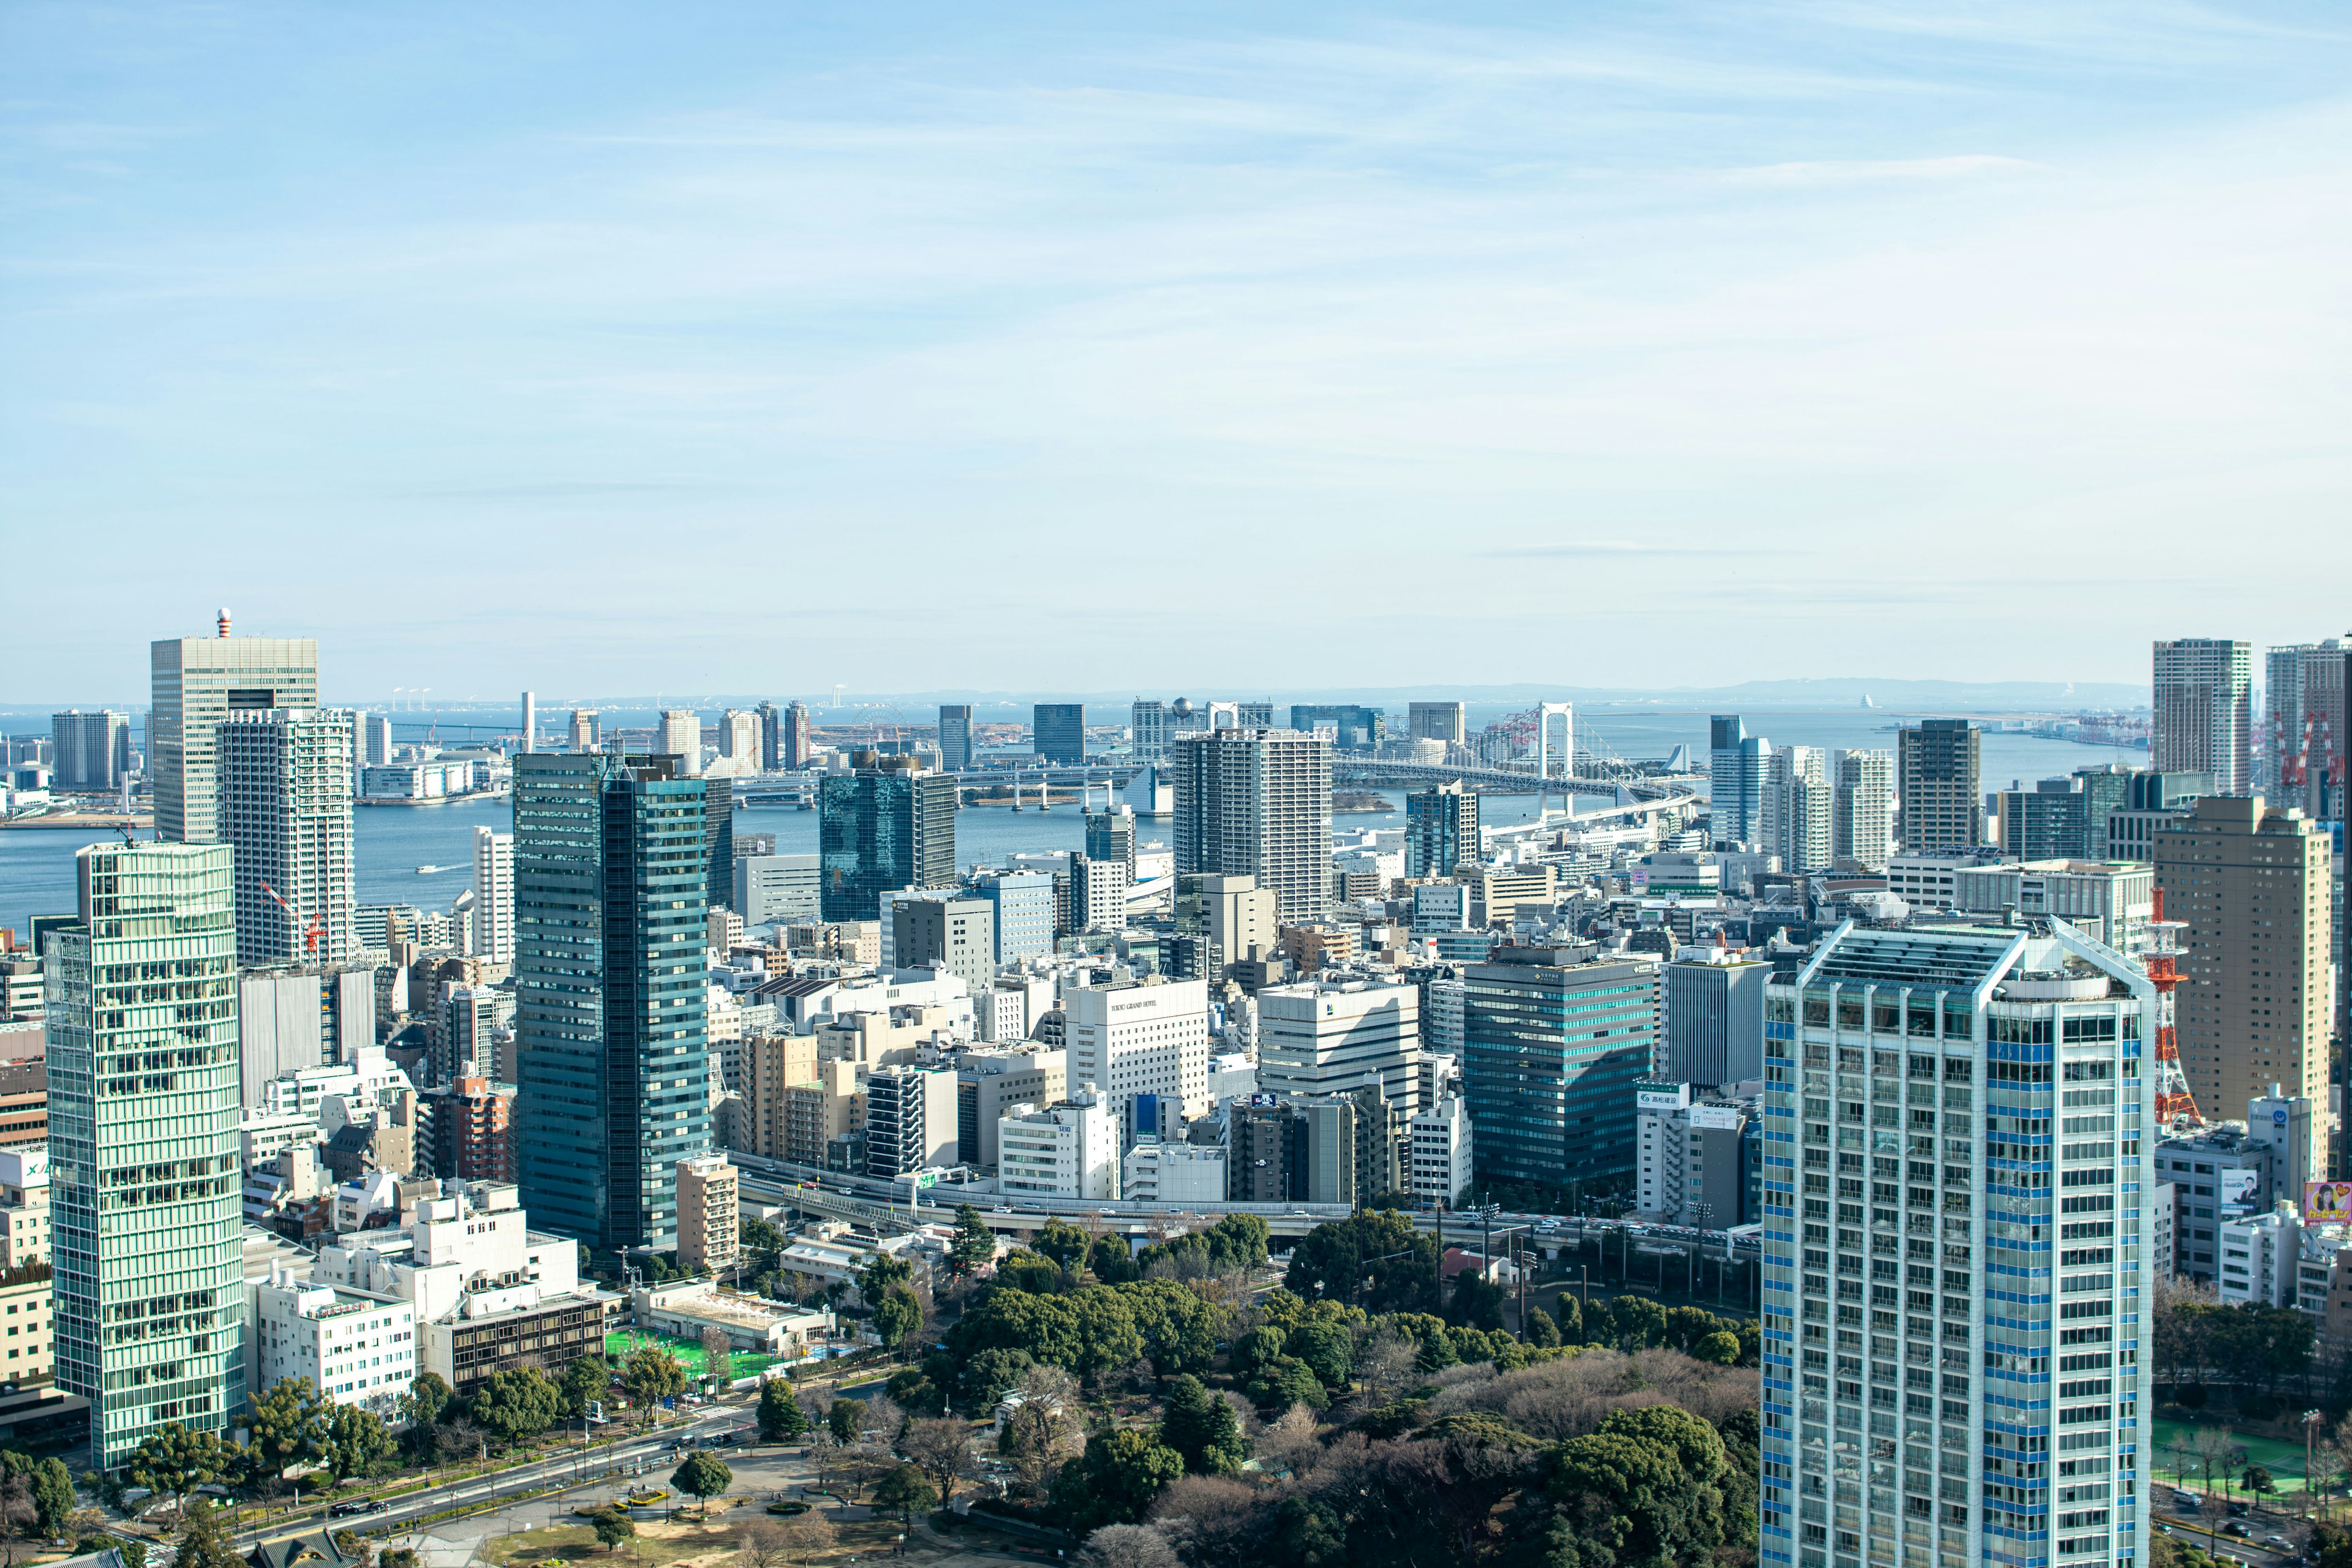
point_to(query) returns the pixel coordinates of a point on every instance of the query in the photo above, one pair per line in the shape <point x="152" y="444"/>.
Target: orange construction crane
<point x="317" y="929"/>
<point x="2174" y="1108"/>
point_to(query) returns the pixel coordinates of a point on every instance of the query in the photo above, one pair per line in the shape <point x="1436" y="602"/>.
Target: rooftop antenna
<point x="224" y="620"/>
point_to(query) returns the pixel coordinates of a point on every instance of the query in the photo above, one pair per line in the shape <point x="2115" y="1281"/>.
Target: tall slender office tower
<point x="681" y="737"/>
<point x="610" y="1030"/>
<point x="1441" y="830"/>
<point x="283" y="801"/>
<point x="1738" y="765"/>
<point x="2303" y="740"/>
<point x="531" y="720"/>
<point x="772" y="738"/>
<point x="143" y="1161"/>
<point x="1937" y="769"/>
<point x="494" y="899"/>
<point x="583" y="730"/>
<point x="955" y="736"/>
<point x="1110" y="836"/>
<point x="1258" y="802"/>
<point x="1956" y="1291"/>
<point x="2253" y="885"/>
<point x="1862" y="817"/>
<point x="2204" y="714"/>
<point x="880" y="829"/>
<point x="718" y="842"/>
<point x="799" y="743"/>
<point x="196" y="683"/>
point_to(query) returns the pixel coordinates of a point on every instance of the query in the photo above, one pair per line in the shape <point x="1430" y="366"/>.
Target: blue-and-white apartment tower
<point x="610" y="922"/>
<point x="1956" y="1286"/>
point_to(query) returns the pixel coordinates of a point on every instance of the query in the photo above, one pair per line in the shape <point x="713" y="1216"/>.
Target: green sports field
<point x="2284" y="1460"/>
<point x="740" y="1364"/>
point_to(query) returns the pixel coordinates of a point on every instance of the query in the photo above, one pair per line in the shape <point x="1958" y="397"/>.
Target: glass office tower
<point x="881" y="829"/>
<point x="143" y="1158"/>
<point x="1955" y="1307"/>
<point x="609" y="874"/>
<point x="1554" y="1039"/>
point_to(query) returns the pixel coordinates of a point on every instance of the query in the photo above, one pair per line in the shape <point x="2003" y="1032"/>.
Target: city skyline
<point x="1791" y="327"/>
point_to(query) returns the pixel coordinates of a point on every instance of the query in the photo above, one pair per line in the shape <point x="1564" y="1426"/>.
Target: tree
<point x="988" y="1376"/>
<point x="287" y="1424"/>
<point x="899" y="1313"/>
<point x="201" y="1543"/>
<point x="1331" y="1262"/>
<point x="883" y="1272"/>
<point x="17" y="1512"/>
<point x="1179" y="1331"/>
<point x="1063" y="1243"/>
<point x="1539" y="1328"/>
<point x="716" y="1359"/>
<point x="352" y="1440"/>
<point x="941" y="1447"/>
<point x="650" y="1375"/>
<point x="1646" y="1487"/>
<point x="704" y="1476"/>
<point x="582" y="1384"/>
<point x="1116" y="1480"/>
<point x="53" y="1496"/>
<point x="974" y="1244"/>
<point x="805" y="1535"/>
<point x="1288" y="1443"/>
<point x="1203" y="1429"/>
<point x="175" y="1462"/>
<point x="779" y="1415"/>
<point x="519" y="1402"/>
<point x="847" y="1419"/>
<point x="428" y="1395"/>
<point x="613" y="1527"/>
<point x="762" y="1235"/>
<point x="1045" y="1429"/>
<point x="1129" y="1546"/>
<point x="1720" y="1348"/>
<point x="906" y="1488"/>
<point x="2258" y="1479"/>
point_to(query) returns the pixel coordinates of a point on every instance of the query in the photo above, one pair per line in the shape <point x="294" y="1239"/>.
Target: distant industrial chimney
<point x="224" y="622"/>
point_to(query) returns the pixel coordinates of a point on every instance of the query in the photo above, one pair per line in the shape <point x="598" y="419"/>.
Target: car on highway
<point x="2278" y="1542"/>
<point x="2239" y="1531"/>
<point x="358" y="1506"/>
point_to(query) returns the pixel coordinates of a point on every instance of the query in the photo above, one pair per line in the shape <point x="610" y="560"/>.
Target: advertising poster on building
<point x="2327" y="1203"/>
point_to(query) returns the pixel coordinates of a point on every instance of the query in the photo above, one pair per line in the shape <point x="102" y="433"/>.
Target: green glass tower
<point x="880" y="829"/>
<point x="610" y="871"/>
<point x="143" y="1163"/>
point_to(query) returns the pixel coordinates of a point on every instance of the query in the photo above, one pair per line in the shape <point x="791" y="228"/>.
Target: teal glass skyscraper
<point x="880" y="829"/>
<point x="610" y="878"/>
<point x="144" y="1160"/>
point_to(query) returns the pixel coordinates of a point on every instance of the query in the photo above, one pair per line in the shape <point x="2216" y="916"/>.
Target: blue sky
<point x="631" y="348"/>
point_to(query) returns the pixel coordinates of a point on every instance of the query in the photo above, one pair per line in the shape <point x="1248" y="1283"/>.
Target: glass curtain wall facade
<point x="1955" y="1310"/>
<point x="144" y="1158"/>
<point x="881" y="830"/>
<point x="1058" y="732"/>
<point x="1441" y="830"/>
<point x="609" y="874"/>
<point x="1553" y="1042"/>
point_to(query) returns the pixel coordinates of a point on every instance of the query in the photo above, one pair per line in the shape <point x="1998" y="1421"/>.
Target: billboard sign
<point x="2327" y="1203"/>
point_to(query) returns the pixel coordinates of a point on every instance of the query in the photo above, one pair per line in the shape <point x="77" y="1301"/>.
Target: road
<point x="2188" y="1528"/>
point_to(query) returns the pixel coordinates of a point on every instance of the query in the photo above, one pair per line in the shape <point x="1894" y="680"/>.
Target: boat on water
<point x="428" y="870"/>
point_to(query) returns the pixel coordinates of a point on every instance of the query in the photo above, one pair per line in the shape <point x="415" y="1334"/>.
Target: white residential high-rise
<point x="1064" y="1151"/>
<point x="373" y="740"/>
<point x="1957" y="1347"/>
<point x="494" y="903"/>
<point x="2204" y="714"/>
<point x="1797" y="808"/>
<point x="282" y="799"/>
<point x="1439" y="1152"/>
<point x="682" y="736"/>
<point x="1862" y="812"/>
<point x="197" y="683"/>
<point x="1140" y="1039"/>
<point x="1327" y="1037"/>
<point x="739" y="740"/>
<point x="1258" y="803"/>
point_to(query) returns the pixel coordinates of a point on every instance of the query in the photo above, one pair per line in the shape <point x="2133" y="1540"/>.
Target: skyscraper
<point x="1956" y="1296"/>
<point x="1441" y="830"/>
<point x="1058" y="732"/>
<point x="1798" y="802"/>
<point x="1737" y="765"/>
<point x="1355" y="728"/>
<point x="494" y="901"/>
<point x="1258" y="802"/>
<point x="197" y="683"/>
<point x="610" y="876"/>
<point x="1936" y="772"/>
<point x="2049" y="822"/>
<point x="955" y="736"/>
<point x="718" y="842"/>
<point x="681" y="737"/>
<point x="880" y="829"/>
<point x="1110" y="836"/>
<point x="1553" y="1039"/>
<point x="373" y="740"/>
<point x="799" y="743"/>
<point x="1862" y="816"/>
<point x="2252" y="884"/>
<point x="740" y="741"/>
<point x="2303" y="740"/>
<point x="283" y="801"/>
<point x="1149" y="730"/>
<point x="1446" y="721"/>
<point x="90" y="752"/>
<point x="772" y="738"/>
<point x="143" y="1157"/>
<point x="2203" y="719"/>
<point x="531" y="720"/>
<point x="583" y="730"/>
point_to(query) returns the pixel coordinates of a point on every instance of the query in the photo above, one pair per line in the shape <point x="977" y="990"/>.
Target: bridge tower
<point x="1567" y="712"/>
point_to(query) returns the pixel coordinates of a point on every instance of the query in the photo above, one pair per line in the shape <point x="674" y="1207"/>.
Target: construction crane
<point x="317" y="929"/>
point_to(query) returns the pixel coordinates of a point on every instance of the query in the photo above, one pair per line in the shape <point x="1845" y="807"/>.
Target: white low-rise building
<point x="1154" y="1171"/>
<point x="1064" y="1151"/>
<point x="2259" y="1258"/>
<point x="685" y="1308"/>
<point x="357" y="1349"/>
<point x="1438" y="1146"/>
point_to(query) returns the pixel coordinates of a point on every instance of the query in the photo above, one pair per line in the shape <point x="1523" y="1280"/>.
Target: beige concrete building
<point x="25" y="1354"/>
<point x="816" y="1113"/>
<point x="23" y="1205"/>
<point x="2251" y="882"/>
<point x="880" y="1039"/>
<point x="710" y="1203"/>
<point x="794" y="1104"/>
<point x="989" y="1083"/>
